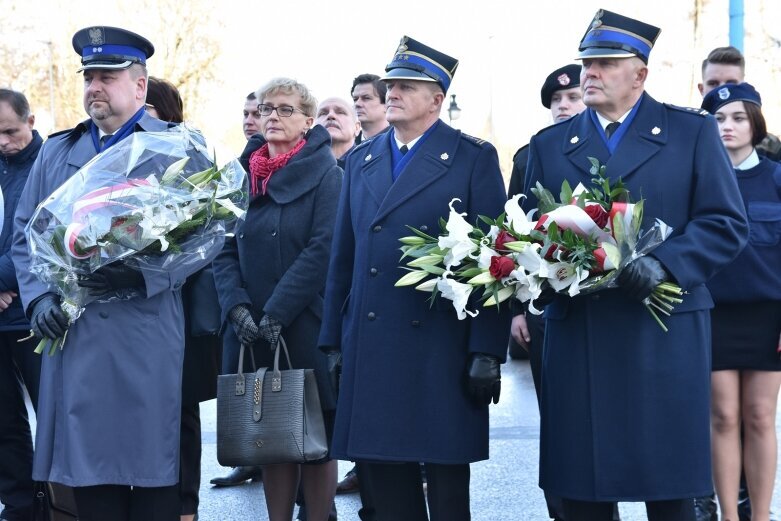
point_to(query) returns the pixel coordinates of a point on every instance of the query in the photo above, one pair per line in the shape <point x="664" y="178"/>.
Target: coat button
<point x="424" y="228"/>
<point x="377" y="228"/>
<point x="373" y="272"/>
<point x="241" y="235"/>
<point x="103" y="314"/>
<point x="415" y="323"/>
<point x="371" y="315"/>
<point x="273" y="233"/>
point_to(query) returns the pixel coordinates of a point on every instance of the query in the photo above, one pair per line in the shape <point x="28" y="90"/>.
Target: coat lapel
<point x="376" y="159"/>
<point x="581" y="142"/>
<point x="646" y="135"/>
<point x="84" y="149"/>
<point x="429" y="163"/>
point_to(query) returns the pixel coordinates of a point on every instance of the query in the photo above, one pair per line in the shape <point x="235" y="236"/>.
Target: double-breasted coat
<point x="403" y="395"/>
<point x="278" y="260"/>
<point x="625" y="406"/>
<point x="110" y="400"/>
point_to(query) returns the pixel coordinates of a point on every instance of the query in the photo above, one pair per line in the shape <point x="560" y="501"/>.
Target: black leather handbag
<point x="54" y="502"/>
<point x="269" y="416"/>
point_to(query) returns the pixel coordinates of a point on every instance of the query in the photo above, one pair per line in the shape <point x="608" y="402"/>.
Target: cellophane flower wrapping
<point x="155" y="200"/>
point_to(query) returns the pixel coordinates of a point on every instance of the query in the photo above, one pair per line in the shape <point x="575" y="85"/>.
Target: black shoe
<point x="744" y="504"/>
<point x="705" y="508"/>
<point x="238" y="476"/>
<point x="349" y="484"/>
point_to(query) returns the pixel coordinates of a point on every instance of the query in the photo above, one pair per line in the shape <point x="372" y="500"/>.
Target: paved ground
<point x="503" y="488"/>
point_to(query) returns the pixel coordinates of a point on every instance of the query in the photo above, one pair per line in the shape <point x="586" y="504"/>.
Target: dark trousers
<point x="672" y="510"/>
<point x="397" y="490"/>
<point x="190" y="458"/>
<point x="367" y="511"/>
<point x="19" y="368"/>
<point x="123" y="503"/>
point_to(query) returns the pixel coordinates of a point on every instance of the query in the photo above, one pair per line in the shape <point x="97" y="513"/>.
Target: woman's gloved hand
<point x="270" y="329"/>
<point x="243" y="324"/>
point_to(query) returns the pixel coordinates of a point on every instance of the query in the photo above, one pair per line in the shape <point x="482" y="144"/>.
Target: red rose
<point x="503" y="238"/>
<point x="597" y="214"/>
<point x="501" y="267"/>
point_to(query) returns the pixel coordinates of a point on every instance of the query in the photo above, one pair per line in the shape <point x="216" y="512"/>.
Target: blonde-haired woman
<point x="271" y="275"/>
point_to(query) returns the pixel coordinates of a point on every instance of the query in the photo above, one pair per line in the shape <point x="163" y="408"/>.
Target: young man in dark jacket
<point x="19" y="366"/>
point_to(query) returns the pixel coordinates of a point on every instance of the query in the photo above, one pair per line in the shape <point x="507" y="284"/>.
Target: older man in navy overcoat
<point x="110" y="400"/>
<point x="625" y="406"/>
<point x="416" y="381"/>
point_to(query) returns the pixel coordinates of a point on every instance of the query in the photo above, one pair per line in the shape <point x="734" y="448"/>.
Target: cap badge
<point x="563" y="80"/>
<point x="444" y="156"/>
<point x="402" y="44"/>
<point x="96" y="36"/>
<point x="597" y="21"/>
<point x="724" y="93"/>
<point x="574" y="139"/>
<point x="367" y="158"/>
<point x="655" y="131"/>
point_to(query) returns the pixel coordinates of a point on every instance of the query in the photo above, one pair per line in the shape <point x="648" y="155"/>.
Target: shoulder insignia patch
<point x="688" y="110"/>
<point x="475" y="140"/>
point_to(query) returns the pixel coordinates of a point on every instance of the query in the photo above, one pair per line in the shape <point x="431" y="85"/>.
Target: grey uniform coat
<point x="110" y="401"/>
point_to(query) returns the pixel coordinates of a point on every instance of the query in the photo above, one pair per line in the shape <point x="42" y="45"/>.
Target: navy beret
<point x="729" y="93"/>
<point x="563" y="78"/>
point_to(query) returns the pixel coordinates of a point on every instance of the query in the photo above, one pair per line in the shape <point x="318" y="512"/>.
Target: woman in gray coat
<point x="271" y="275"/>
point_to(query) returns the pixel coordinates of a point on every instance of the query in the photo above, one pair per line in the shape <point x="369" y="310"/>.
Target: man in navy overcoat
<point x="416" y="381"/>
<point x="625" y="406"/>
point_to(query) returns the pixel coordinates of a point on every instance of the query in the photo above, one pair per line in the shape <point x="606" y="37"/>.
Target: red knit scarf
<point x="261" y="166"/>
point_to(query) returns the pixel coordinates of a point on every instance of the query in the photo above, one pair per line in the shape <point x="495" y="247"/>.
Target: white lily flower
<point x="520" y="222"/>
<point x="484" y="258"/>
<point x="459" y="294"/>
<point x="562" y="275"/>
<point x="457" y="242"/>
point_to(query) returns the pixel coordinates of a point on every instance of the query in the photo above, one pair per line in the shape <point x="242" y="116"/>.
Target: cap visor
<point x="600" y="52"/>
<point x="400" y="73"/>
<point x="106" y="65"/>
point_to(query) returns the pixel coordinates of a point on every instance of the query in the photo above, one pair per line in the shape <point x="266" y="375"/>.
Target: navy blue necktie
<point x="611" y="128"/>
<point x="404" y="149"/>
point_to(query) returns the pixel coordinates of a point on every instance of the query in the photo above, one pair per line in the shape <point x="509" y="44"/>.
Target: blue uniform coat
<point x="110" y="401"/>
<point x="402" y="395"/>
<point x="625" y="406"/>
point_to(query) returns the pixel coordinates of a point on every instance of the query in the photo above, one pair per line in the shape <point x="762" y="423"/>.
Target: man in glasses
<point x="416" y="381"/>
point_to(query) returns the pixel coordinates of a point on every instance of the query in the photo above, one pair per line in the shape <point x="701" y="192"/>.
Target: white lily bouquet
<point x="155" y="199"/>
<point x="578" y="245"/>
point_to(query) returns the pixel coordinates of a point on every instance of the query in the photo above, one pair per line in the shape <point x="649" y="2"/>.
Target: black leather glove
<point x="334" y="369"/>
<point x="546" y="297"/>
<point x="47" y="319"/>
<point x="484" y="378"/>
<point x="111" y="278"/>
<point x="641" y="276"/>
<point x="244" y="325"/>
<point x="270" y="329"/>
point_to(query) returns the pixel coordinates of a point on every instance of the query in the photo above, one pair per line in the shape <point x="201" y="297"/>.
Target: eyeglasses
<point x="283" y="111"/>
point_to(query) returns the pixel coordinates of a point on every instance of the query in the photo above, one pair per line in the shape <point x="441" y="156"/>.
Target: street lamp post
<point x="453" y="111"/>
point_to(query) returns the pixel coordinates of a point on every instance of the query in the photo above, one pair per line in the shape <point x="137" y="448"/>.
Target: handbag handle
<point x="276" y="378"/>
<point x="240" y="372"/>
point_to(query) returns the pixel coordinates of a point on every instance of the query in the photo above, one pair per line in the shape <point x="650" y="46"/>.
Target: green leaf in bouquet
<point x="637" y="222"/>
<point x="545" y="200"/>
<point x="566" y="192"/>
<point x="434" y="270"/>
<point x="499" y="296"/>
<point x="468" y="273"/>
<point x="424" y="235"/>
<point x="442" y="225"/>
<point x="517" y="246"/>
<point x="594" y="165"/>
<point x="487" y="220"/>
<point x="172" y="172"/>
<point x="612" y="253"/>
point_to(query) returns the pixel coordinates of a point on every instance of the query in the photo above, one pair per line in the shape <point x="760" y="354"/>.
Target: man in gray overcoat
<point x="110" y="400"/>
